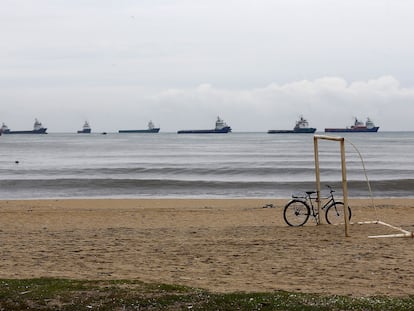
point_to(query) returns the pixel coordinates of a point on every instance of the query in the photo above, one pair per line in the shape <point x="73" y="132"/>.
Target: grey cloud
<point x="264" y="63"/>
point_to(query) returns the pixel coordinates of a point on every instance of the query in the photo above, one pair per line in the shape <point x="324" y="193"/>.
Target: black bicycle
<point x="298" y="210"/>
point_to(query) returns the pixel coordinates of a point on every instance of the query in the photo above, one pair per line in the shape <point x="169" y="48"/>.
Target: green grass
<point x="63" y="294"/>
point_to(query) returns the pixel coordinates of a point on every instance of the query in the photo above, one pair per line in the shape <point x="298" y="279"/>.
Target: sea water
<point x="168" y="165"/>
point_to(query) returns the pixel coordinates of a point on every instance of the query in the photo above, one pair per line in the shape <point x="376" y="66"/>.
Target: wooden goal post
<point x="341" y="141"/>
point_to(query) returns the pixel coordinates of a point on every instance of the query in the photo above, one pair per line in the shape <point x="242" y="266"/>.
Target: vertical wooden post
<point x="344" y="181"/>
<point x="344" y="188"/>
<point x="318" y="177"/>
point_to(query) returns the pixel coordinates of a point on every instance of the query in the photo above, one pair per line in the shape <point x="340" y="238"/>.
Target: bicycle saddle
<point x="310" y="192"/>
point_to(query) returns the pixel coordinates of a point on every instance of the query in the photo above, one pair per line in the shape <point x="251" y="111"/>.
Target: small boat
<point x="86" y="129"/>
<point x="221" y="128"/>
<point x="357" y="127"/>
<point x="301" y="127"/>
<point x="37" y="129"/>
<point x="151" y="129"/>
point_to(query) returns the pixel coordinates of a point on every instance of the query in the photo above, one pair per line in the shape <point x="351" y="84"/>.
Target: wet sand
<point x="219" y="245"/>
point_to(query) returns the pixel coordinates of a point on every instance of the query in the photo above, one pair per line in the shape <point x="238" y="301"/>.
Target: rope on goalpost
<point x="405" y="233"/>
<point x="366" y="178"/>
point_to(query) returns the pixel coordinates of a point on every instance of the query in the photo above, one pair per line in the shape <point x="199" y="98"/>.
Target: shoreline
<point x="222" y="245"/>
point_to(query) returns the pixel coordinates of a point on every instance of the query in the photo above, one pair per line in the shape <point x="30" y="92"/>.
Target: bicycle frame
<point x="327" y="201"/>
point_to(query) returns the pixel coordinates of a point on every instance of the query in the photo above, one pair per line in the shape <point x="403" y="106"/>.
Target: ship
<point x="357" y="127"/>
<point x="301" y="127"/>
<point x="151" y="129"/>
<point x="86" y="129"/>
<point x="37" y="129"/>
<point x="221" y="128"/>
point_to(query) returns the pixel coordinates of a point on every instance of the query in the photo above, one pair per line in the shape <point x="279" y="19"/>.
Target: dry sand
<point x="220" y="245"/>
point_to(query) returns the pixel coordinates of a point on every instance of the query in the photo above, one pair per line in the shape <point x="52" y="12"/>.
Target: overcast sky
<point x="259" y="64"/>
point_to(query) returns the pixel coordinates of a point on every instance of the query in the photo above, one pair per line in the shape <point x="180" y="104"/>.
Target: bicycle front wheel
<point x="296" y="213"/>
<point x="335" y="213"/>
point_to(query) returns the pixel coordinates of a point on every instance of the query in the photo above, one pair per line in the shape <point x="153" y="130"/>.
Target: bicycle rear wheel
<point x="335" y="213"/>
<point x="296" y="213"/>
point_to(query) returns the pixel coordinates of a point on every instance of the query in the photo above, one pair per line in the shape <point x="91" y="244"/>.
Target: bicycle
<point x="298" y="210"/>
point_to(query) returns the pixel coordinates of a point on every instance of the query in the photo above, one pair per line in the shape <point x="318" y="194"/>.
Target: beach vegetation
<point x="66" y="294"/>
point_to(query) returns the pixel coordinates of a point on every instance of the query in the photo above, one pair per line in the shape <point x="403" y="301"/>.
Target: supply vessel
<point x="301" y="126"/>
<point x="220" y="128"/>
<point x="357" y="127"/>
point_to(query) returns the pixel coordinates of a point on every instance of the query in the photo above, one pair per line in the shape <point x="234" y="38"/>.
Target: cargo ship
<point x="301" y="127"/>
<point x="357" y="127"/>
<point x="221" y="128"/>
<point x="86" y="129"/>
<point x="37" y="129"/>
<point x="151" y="129"/>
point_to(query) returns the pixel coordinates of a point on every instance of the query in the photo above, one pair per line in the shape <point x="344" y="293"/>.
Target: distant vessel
<point x="151" y="129"/>
<point x="358" y="127"/>
<point x="221" y="128"/>
<point x="86" y="129"/>
<point x="301" y="126"/>
<point x="37" y="129"/>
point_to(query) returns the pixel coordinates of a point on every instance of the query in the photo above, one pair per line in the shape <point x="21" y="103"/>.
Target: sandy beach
<point x="221" y="245"/>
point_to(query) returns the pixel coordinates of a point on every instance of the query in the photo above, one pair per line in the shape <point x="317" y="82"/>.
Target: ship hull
<point x="88" y="131"/>
<point x="39" y="131"/>
<point x="298" y="131"/>
<point x="352" y="130"/>
<point x="222" y="131"/>
<point x="154" y="130"/>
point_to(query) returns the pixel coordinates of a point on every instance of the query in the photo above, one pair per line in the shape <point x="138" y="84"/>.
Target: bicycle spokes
<point x="296" y="213"/>
<point x="335" y="213"/>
